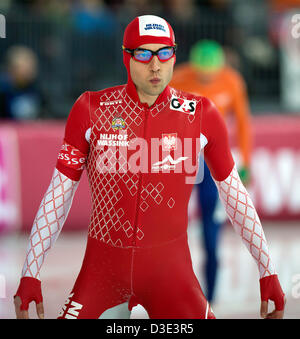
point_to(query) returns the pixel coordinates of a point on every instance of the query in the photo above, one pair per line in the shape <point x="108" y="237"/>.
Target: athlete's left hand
<point x="29" y="290"/>
<point x="270" y="289"/>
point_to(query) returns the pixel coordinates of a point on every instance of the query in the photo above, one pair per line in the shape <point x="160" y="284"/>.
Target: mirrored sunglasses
<point x="146" y="55"/>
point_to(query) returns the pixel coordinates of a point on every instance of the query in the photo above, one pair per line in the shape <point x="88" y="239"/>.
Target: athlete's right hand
<point x="270" y="289"/>
<point x="29" y="290"/>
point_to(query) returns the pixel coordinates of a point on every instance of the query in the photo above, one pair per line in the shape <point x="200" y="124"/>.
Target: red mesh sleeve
<point x="75" y="148"/>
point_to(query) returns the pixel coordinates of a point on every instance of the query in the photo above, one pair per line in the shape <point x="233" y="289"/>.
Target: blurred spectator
<point x="5" y="6"/>
<point x="250" y="18"/>
<point x="20" y="96"/>
<point x="217" y="5"/>
<point x="114" y="5"/>
<point x="259" y="59"/>
<point x="199" y="11"/>
<point x="55" y="10"/>
<point x="133" y="8"/>
<point x="93" y="16"/>
<point x="283" y="32"/>
<point x="198" y="19"/>
<point x="180" y="10"/>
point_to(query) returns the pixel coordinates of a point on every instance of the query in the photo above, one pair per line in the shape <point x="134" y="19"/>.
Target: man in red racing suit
<point x="140" y="143"/>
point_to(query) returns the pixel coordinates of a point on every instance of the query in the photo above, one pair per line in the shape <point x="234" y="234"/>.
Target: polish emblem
<point x="169" y="142"/>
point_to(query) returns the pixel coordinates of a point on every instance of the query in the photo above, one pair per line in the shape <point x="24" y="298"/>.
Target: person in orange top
<point x="208" y="75"/>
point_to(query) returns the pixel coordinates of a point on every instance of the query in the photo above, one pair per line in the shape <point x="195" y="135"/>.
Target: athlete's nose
<point x="155" y="64"/>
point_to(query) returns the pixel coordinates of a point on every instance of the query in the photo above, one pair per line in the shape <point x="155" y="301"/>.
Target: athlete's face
<point x="153" y="77"/>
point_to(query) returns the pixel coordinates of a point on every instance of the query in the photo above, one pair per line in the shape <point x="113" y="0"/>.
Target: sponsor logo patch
<point x="152" y="25"/>
<point x="183" y="105"/>
<point x="71" y="157"/>
<point x="110" y="103"/>
<point x="118" y="123"/>
<point x="167" y="164"/>
<point x="71" y="308"/>
<point x="115" y="140"/>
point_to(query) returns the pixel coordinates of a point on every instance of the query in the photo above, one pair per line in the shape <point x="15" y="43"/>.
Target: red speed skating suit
<point x="141" y="162"/>
<point x="137" y="247"/>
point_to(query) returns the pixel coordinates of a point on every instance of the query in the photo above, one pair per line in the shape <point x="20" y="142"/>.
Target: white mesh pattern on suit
<point x="109" y="222"/>
<point x="107" y="219"/>
<point x="245" y="221"/>
<point x="104" y="180"/>
<point x="48" y="222"/>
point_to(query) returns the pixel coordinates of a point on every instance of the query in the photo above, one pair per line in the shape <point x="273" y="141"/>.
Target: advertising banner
<point x="10" y="211"/>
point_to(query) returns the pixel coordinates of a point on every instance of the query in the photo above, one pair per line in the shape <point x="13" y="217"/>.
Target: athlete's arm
<point x="239" y="207"/>
<point x="54" y="207"/>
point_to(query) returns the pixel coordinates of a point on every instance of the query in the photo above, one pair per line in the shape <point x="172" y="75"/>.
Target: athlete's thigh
<point x="102" y="284"/>
<point x="92" y="301"/>
<point x="180" y="298"/>
<point x="169" y="287"/>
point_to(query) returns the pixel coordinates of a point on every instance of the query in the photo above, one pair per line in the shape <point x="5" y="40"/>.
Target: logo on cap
<point x="153" y="25"/>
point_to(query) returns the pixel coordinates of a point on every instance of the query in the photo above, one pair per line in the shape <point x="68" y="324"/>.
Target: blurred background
<point x="51" y="51"/>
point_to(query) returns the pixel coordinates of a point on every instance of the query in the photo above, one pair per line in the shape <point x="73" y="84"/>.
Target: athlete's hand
<point x="29" y="290"/>
<point x="270" y="289"/>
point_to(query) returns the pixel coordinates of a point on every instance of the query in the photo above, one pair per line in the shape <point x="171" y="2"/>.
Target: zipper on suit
<point x="146" y="112"/>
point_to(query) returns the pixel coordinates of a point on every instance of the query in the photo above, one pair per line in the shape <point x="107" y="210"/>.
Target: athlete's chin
<point x="156" y="89"/>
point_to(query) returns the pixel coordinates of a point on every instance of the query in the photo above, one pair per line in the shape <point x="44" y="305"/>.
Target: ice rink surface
<point x="237" y="291"/>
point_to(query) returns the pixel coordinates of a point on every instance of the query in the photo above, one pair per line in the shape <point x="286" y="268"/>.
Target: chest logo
<point x="183" y="105"/>
<point x="169" y="142"/>
<point x="118" y="123"/>
<point x="168" y="163"/>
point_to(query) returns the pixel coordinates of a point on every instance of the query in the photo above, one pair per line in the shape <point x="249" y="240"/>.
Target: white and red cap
<point x="148" y="29"/>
